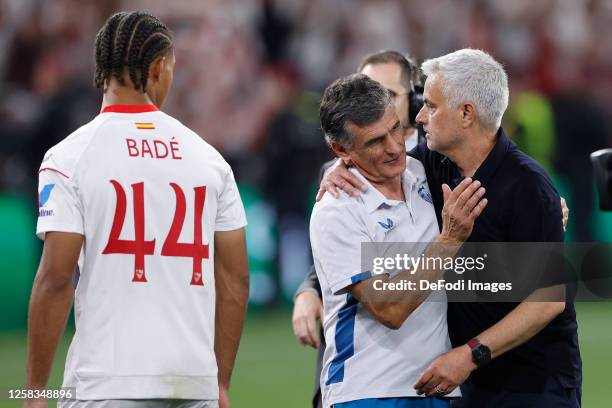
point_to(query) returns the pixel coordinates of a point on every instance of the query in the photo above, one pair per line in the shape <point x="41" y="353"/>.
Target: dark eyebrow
<point x="392" y="92"/>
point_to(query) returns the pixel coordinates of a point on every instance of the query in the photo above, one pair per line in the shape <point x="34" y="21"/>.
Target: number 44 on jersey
<point x="139" y="247"/>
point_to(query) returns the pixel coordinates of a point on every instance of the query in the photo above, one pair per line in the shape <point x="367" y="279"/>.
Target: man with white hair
<point x="505" y="354"/>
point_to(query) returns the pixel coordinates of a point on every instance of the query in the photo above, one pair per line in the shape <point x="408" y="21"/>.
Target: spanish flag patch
<point x="141" y="125"/>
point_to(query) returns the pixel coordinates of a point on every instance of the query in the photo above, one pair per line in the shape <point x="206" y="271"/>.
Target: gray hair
<point x="353" y="99"/>
<point x="470" y="75"/>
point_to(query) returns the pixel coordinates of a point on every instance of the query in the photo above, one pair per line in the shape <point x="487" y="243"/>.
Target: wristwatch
<point x="481" y="354"/>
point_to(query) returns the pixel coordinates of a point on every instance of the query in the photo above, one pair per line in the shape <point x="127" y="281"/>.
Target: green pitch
<point x="272" y="370"/>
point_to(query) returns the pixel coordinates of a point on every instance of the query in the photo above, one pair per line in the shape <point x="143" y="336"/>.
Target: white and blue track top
<point x="363" y="358"/>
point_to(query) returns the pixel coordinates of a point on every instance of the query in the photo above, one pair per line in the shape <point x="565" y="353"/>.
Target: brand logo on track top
<point x="388" y="225"/>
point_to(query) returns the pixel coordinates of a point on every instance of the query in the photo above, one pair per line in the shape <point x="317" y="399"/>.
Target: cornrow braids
<point x="123" y="37"/>
<point x="129" y="40"/>
<point x="103" y="48"/>
<point x="136" y="47"/>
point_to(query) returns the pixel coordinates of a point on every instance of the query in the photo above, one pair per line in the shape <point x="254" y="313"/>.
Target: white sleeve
<point x="336" y="235"/>
<point x="230" y="211"/>
<point x="59" y="206"/>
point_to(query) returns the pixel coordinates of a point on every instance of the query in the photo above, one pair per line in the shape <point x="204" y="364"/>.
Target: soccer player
<point x="151" y="215"/>
<point x="376" y="349"/>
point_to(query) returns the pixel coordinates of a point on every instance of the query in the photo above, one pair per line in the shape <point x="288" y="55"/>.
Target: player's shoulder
<point x="205" y="149"/>
<point x="65" y="155"/>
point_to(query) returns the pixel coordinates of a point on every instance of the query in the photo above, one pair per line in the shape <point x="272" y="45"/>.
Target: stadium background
<point x="248" y="78"/>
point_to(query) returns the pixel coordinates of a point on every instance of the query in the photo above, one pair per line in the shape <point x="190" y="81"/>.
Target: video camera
<point x="602" y="167"/>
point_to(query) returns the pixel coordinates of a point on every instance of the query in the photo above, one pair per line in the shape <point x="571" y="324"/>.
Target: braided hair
<point x="129" y="40"/>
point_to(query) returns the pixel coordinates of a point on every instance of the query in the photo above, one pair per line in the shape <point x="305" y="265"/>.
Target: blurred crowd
<point x="249" y="74"/>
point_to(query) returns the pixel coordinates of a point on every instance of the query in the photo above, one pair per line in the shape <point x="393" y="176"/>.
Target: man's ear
<point x="342" y="153"/>
<point x="157" y="67"/>
<point x="468" y="115"/>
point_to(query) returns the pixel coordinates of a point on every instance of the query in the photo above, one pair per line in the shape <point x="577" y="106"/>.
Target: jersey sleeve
<point x="59" y="206"/>
<point x="230" y="211"/>
<point x="336" y="236"/>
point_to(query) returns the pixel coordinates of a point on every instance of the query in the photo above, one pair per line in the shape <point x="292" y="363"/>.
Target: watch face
<point x="481" y="355"/>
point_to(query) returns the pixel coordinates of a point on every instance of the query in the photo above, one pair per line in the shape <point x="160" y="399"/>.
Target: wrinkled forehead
<point x="381" y="127"/>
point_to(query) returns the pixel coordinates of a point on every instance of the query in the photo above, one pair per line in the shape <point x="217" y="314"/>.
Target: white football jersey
<point x="148" y="194"/>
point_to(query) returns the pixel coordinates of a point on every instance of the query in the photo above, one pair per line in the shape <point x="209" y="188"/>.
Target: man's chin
<point x="396" y="168"/>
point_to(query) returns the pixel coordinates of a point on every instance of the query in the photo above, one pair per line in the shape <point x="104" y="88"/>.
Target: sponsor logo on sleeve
<point x="43" y="197"/>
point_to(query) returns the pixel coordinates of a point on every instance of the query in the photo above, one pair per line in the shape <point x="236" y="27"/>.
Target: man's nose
<point x="421" y="117"/>
<point x="394" y="145"/>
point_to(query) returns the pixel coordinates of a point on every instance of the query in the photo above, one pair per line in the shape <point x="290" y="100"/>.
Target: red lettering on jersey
<point x="156" y="145"/>
<point x="137" y="247"/>
<point x="160" y="149"/>
<point x="197" y="251"/>
<point x="174" y="147"/>
<point x="146" y="148"/>
<point x="132" y="149"/>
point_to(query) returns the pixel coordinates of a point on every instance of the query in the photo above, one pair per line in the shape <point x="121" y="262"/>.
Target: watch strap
<point x="473" y="343"/>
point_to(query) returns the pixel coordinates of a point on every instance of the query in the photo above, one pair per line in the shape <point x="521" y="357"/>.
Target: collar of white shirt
<point x="373" y="198"/>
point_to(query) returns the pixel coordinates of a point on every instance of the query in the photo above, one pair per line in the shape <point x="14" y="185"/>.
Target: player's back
<point x="148" y="194"/>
